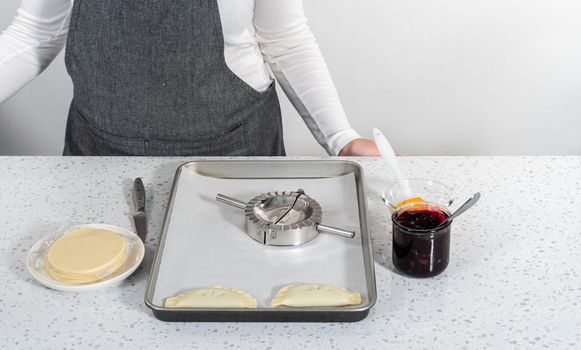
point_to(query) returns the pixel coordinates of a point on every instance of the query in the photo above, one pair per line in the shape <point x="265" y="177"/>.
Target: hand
<point x="360" y="147"/>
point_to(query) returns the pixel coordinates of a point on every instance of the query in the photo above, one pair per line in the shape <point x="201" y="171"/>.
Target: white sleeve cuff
<point x="336" y="142"/>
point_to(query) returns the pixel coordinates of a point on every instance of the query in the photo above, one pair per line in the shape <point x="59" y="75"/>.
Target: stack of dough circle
<point x="85" y="255"/>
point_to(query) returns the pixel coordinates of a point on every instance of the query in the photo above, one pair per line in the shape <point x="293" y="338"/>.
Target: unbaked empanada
<point x="212" y="297"/>
<point x="314" y="294"/>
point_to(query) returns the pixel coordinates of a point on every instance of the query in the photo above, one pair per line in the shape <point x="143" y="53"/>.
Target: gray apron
<point x="150" y="79"/>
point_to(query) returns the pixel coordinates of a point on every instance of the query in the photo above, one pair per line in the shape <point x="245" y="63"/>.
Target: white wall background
<point x="439" y="77"/>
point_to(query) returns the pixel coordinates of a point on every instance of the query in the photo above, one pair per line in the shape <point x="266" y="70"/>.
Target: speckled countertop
<point x="514" y="279"/>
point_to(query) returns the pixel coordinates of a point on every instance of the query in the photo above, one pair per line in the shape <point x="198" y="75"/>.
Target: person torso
<point x="155" y="71"/>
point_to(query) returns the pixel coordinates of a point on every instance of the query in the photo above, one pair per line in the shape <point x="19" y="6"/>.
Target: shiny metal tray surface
<point x="196" y="252"/>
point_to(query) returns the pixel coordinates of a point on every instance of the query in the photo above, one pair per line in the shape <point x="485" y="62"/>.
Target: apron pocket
<point x="231" y="143"/>
<point x="84" y="139"/>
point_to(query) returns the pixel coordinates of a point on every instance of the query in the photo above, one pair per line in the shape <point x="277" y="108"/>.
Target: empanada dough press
<point x="284" y="218"/>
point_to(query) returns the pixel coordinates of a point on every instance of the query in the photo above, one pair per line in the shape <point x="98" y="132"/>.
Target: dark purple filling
<point x="421" y="219"/>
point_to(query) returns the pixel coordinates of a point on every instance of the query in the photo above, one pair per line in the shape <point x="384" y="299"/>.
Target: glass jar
<point x="420" y="247"/>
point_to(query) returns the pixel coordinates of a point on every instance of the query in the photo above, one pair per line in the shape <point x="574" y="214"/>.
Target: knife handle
<point x="139" y="194"/>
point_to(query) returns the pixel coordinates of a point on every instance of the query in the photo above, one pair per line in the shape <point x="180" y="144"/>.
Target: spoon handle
<point x="467" y="205"/>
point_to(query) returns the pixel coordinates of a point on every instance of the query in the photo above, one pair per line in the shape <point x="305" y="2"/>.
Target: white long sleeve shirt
<point x="258" y="34"/>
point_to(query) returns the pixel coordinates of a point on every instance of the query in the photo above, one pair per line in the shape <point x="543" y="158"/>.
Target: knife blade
<point x="139" y="218"/>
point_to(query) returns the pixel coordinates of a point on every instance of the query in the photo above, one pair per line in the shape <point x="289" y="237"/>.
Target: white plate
<point x="35" y="260"/>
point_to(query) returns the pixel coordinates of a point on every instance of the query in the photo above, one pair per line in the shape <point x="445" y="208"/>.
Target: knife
<point x="139" y="202"/>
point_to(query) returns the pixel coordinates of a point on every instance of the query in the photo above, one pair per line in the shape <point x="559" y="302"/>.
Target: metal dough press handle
<point x="335" y="230"/>
<point x="231" y="201"/>
<point x="319" y="227"/>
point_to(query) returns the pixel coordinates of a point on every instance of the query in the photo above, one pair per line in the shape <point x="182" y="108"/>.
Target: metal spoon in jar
<point x="467" y="205"/>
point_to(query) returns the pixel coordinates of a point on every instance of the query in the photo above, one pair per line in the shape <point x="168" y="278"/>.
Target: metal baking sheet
<point x="203" y="243"/>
